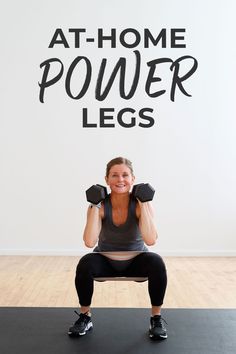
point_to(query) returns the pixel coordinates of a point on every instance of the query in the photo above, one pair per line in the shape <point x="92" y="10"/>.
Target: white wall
<point x="47" y="159"/>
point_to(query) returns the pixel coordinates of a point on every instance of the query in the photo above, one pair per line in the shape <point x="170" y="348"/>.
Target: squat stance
<point x="118" y="222"/>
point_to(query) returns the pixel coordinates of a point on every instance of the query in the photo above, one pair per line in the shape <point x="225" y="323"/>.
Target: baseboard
<point x="198" y="253"/>
<point x="81" y="252"/>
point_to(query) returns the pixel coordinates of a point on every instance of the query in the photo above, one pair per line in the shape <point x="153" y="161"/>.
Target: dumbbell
<point x="143" y="192"/>
<point x="96" y="194"/>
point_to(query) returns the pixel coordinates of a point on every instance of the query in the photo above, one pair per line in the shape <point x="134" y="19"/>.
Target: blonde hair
<point x="119" y="161"/>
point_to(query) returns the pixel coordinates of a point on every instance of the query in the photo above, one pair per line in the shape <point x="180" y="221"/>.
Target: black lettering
<point x="148" y="37"/>
<point x="178" y="80"/>
<point x="77" y="32"/>
<point x="102" y="38"/>
<point x="137" y="38"/>
<point x="86" y="81"/>
<point x="120" y="118"/>
<point x="151" y="78"/>
<point x="85" y="120"/>
<point x="174" y="38"/>
<point x="120" y="66"/>
<point x="145" y="117"/>
<point x="44" y="83"/>
<point x="62" y="39"/>
<point x="103" y="118"/>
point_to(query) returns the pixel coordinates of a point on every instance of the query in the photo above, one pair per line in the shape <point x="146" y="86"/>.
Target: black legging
<point x="147" y="264"/>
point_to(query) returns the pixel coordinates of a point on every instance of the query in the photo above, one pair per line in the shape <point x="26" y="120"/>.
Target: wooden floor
<point x="49" y="281"/>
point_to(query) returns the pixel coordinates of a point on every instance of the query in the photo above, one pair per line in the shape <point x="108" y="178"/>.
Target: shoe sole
<point x="89" y="327"/>
<point x="157" y="337"/>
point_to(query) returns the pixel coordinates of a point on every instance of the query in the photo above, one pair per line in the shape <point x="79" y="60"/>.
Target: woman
<point x="120" y="223"/>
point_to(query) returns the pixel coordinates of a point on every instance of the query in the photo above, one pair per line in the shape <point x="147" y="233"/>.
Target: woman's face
<point x="120" y="179"/>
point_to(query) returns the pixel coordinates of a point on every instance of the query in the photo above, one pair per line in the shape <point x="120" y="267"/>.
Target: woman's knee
<point x="85" y="263"/>
<point x="156" y="262"/>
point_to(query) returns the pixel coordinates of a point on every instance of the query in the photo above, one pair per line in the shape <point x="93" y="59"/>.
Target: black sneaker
<point x="157" y="328"/>
<point x="81" y="326"/>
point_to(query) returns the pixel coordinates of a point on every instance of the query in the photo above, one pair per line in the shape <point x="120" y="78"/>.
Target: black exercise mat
<point x="116" y="331"/>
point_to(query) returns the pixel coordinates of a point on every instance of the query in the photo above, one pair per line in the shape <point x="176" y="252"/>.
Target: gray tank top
<point x="125" y="237"/>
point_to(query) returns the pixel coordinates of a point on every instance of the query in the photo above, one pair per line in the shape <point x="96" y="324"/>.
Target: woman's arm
<point x="147" y="226"/>
<point x="93" y="226"/>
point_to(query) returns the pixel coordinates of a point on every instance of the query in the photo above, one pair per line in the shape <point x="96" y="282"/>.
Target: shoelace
<point x="158" y="321"/>
<point x="82" y="317"/>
